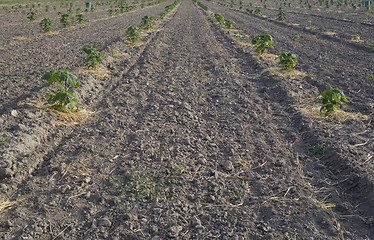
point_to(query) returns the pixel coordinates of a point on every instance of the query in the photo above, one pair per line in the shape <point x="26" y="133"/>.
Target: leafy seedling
<point x="318" y="149"/>
<point x="62" y="100"/>
<point x="81" y="18"/>
<point x="133" y="33"/>
<point x="202" y="6"/>
<point x="4" y="140"/>
<point x="238" y="36"/>
<point x="147" y="22"/>
<point x="32" y="16"/>
<point x="94" y="57"/>
<point x="264" y="42"/>
<point x="219" y="18"/>
<point x="296" y="38"/>
<point x="281" y="15"/>
<point x="356" y="37"/>
<point x="257" y="11"/>
<point x="229" y="24"/>
<point x="46" y="24"/>
<point x="288" y="60"/>
<point x="178" y="169"/>
<point x="67" y="20"/>
<point x="236" y="196"/>
<point x="330" y="99"/>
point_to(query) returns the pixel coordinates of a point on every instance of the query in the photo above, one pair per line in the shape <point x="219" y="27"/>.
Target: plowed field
<point x="191" y="134"/>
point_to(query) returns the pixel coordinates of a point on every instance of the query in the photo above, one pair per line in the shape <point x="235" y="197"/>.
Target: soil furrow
<point x="335" y="162"/>
<point x="41" y="138"/>
<point x="194" y="139"/>
<point x="28" y="61"/>
<point x="331" y="67"/>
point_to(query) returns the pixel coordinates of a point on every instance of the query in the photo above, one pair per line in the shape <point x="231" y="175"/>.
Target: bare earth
<point x="191" y="136"/>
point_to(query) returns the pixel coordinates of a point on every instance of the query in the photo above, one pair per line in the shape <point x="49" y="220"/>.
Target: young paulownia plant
<point x="62" y="99"/>
<point x="264" y="42"/>
<point x="229" y="24"/>
<point x="81" y="18"/>
<point x="288" y="60"/>
<point x="281" y="15"/>
<point x="94" y="57"/>
<point x="67" y="20"/>
<point x="147" y="22"/>
<point x="46" y="24"/>
<point x="257" y="11"/>
<point x="330" y="99"/>
<point x="32" y="16"/>
<point x="219" y="18"/>
<point x="133" y="33"/>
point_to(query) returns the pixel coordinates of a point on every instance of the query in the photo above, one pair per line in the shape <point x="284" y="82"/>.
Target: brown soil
<point x="191" y="136"/>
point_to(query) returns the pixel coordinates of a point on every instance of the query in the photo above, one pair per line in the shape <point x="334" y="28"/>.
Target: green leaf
<point x="69" y="78"/>
<point x="48" y="75"/>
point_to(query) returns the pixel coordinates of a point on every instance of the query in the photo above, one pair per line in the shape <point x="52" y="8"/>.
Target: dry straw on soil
<point x="99" y="72"/>
<point x="73" y="118"/>
<point x="4" y="204"/>
<point x="68" y="118"/>
<point x="118" y="54"/>
<point x="338" y="116"/>
<point x="22" y="38"/>
<point x="330" y="33"/>
<point x="51" y="33"/>
<point x="285" y="73"/>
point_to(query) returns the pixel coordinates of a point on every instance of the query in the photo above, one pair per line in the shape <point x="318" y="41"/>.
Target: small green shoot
<point x="356" y="37"/>
<point x="318" y="149"/>
<point x="238" y="36"/>
<point x="178" y="169"/>
<point x="113" y="179"/>
<point x="236" y="196"/>
<point x="296" y="38"/>
<point x="4" y="140"/>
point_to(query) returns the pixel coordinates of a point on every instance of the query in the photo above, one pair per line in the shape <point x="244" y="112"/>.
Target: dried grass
<point x="118" y="55"/>
<point x="285" y="73"/>
<point x="67" y="118"/>
<point x="329" y="33"/>
<point x="357" y="41"/>
<point x="73" y="118"/>
<point x="22" y="38"/>
<point x="4" y="204"/>
<point x="337" y="116"/>
<point x="51" y="33"/>
<point x="99" y="72"/>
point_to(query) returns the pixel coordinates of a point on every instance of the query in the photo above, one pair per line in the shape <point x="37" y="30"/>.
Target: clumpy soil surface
<point x="191" y="135"/>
